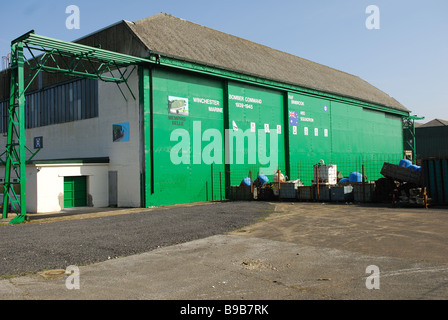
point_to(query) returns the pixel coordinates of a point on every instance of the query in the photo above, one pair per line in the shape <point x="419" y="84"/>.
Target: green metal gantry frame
<point x="55" y="56"/>
<point x="409" y="134"/>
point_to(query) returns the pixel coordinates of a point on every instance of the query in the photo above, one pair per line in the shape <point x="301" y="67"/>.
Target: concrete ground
<point x="306" y="251"/>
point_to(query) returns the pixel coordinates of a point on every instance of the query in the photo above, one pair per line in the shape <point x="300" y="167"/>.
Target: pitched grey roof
<point x="435" y="123"/>
<point x="171" y="36"/>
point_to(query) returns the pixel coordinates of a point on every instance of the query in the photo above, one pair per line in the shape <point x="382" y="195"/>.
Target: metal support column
<point x="408" y="138"/>
<point x="15" y="147"/>
<point x="409" y="135"/>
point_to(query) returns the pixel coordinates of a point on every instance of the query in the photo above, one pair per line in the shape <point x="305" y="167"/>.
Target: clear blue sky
<point x="407" y="57"/>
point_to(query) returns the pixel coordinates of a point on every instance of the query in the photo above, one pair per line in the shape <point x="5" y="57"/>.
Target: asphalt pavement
<point x="88" y="235"/>
<point x="230" y="251"/>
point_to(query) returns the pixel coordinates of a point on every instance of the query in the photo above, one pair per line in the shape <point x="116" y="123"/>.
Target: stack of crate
<point x="342" y="193"/>
<point x="241" y="193"/>
<point x="305" y="193"/>
<point x="288" y="189"/>
<point x="325" y="174"/>
<point x="364" y="192"/>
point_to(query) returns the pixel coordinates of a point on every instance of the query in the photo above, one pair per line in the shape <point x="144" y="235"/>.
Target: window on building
<point x="70" y="101"/>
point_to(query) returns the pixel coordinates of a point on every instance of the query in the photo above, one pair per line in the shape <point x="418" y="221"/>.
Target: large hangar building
<point x="207" y="109"/>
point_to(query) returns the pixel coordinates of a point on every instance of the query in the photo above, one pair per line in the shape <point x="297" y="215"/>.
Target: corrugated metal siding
<point x="431" y="142"/>
<point x="339" y="133"/>
<point x="436" y="179"/>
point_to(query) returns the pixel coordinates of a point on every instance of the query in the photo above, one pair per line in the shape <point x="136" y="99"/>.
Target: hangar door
<point x="188" y="125"/>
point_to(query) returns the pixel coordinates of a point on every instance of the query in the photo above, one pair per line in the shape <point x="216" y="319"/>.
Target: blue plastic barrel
<point x="245" y="182"/>
<point x="355" y="177"/>
<point x="261" y="180"/>
<point x="415" y="168"/>
<point x="405" y="163"/>
<point x="344" y="180"/>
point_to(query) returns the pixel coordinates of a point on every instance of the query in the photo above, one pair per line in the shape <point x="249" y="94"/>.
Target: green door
<point x="75" y="192"/>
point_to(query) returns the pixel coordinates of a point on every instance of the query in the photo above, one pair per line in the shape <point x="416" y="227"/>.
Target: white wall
<point x="50" y="185"/>
<point x="124" y="156"/>
<point x="45" y="185"/>
<point x="87" y="139"/>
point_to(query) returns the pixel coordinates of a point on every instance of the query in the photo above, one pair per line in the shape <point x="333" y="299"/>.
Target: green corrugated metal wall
<point x="187" y="114"/>
<point x="257" y="114"/>
<point x="340" y="133"/>
<point x="310" y="139"/>
<point x="431" y="142"/>
<point x="181" y="174"/>
<point x="436" y="177"/>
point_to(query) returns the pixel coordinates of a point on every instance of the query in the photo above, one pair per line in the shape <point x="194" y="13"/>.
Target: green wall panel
<point x="431" y="142"/>
<point x="309" y="128"/>
<point x="255" y="115"/>
<point x="193" y="158"/>
<point x="346" y="135"/>
<point x="187" y="123"/>
<point x="363" y="136"/>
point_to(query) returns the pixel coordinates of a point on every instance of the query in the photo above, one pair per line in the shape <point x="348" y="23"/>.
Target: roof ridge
<point x="218" y="49"/>
<point x="436" y="122"/>
<point x="241" y="38"/>
<point x="444" y="122"/>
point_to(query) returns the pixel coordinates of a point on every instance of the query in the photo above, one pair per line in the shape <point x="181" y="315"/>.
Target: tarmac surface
<point x="230" y="251"/>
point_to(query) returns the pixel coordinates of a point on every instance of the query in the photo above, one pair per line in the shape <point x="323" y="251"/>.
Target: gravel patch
<point x="32" y="247"/>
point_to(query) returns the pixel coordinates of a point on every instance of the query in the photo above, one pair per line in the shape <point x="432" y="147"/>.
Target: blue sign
<point x="38" y="142"/>
<point x="120" y="132"/>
